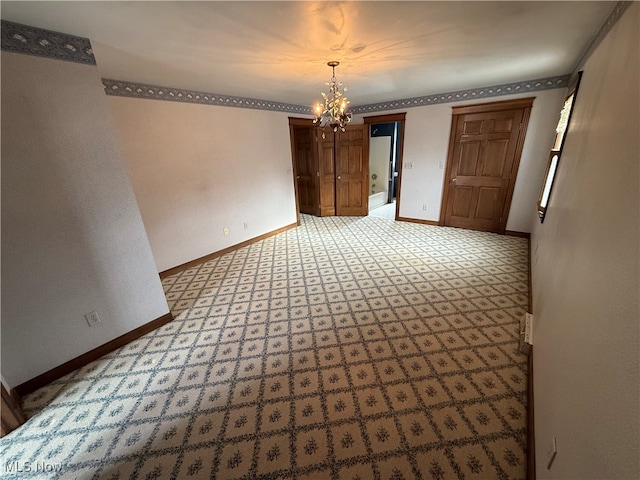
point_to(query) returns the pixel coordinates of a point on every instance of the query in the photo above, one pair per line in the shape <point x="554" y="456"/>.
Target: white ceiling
<point x="278" y="50"/>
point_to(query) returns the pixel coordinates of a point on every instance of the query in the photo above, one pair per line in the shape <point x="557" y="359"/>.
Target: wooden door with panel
<point x="326" y="172"/>
<point x="484" y="156"/>
<point x="304" y="154"/>
<point x="352" y="171"/>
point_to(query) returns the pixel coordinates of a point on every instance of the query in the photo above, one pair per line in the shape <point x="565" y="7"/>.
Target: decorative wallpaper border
<point x="611" y="20"/>
<point x="154" y="92"/>
<point x="483" y="92"/>
<point x="46" y="43"/>
<point x="20" y="38"/>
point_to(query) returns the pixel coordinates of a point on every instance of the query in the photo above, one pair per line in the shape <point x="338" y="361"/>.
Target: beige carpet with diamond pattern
<point x="347" y="348"/>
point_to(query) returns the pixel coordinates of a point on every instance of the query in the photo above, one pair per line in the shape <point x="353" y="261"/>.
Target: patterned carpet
<point x="347" y="348"/>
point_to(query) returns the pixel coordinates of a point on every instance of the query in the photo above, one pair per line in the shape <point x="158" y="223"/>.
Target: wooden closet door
<point x="326" y="173"/>
<point x="304" y="154"/>
<point x="342" y="162"/>
<point x="352" y="171"/>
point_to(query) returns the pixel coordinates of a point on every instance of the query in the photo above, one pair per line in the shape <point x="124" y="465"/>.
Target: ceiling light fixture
<point x="333" y="112"/>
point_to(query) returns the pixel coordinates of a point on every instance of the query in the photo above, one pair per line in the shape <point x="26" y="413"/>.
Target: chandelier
<point x="333" y="112"/>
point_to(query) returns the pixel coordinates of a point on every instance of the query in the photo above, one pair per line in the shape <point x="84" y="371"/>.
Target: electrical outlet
<point x="246" y="225"/>
<point x="441" y="165"/>
<point x="552" y="452"/>
<point x="225" y="230"/>
<point x="425" y="207"/>
<point x="92" y="318"/>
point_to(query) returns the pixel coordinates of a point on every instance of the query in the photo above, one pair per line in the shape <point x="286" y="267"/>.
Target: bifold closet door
<point x="326" y="173"/>
<point x="304" y="154"/>
<point x="352" y="171"/>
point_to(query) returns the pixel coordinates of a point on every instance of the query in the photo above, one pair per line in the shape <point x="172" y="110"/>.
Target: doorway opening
<point x="386" y="134"/>
<point x="383" y="162"/>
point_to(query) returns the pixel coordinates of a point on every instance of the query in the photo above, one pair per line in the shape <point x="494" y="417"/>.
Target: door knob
<point x="339" y="178"/>
<point x="298" y="177"/>
<point x="454" y="180"/>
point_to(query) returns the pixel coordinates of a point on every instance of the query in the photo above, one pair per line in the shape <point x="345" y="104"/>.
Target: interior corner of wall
<point x="6" y="384"/>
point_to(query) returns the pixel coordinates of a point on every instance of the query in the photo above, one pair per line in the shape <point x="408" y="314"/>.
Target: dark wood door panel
<point x="351" y="160"/>
<point x="462" y="197"/>
<point x="349" y="197"/>
<point x="307" y="197"/>
<point x="305" y="160"/>
<point x="327" y="198"/>
<point x="490" y="122"/>
<point x="496" y="158"/>
<point x="475" y="208"/>
<point x="352" y="171"/>
<point x="488" y="203"/>
<point x="504" y="124"/>
<point x="304" y="145"/>
<point x="327" y="176"/>
<point x="469" y="157"/>
<point x="331" y="169"/>
<point x="484" y="154"/>
<point x="471" y="127"/>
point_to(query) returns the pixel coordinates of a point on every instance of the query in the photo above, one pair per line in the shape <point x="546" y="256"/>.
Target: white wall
<point x="72" y="236"/>
<point x="197" y="169"/>
<point x="426" y="141"/>
<point x="379" y="155"/>
<point x="585" y="276"/>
